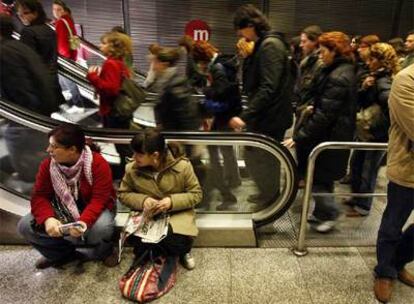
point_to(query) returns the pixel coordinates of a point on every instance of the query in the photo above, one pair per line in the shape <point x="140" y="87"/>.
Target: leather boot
<point x="406" y="277"/>
<point x="383" y="289"/>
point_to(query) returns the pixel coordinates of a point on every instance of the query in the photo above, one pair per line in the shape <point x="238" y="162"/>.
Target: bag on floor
<point x="149" y="277"/>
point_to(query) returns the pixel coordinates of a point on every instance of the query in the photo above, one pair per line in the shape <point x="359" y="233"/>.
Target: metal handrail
<point x="300" y="249"/>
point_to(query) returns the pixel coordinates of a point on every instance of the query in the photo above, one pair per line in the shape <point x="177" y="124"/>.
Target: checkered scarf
<point x="65" y="180"/>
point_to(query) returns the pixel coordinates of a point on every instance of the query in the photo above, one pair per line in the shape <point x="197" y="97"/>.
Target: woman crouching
<point x="73" y="186"/>
<point x="155" y="182"/>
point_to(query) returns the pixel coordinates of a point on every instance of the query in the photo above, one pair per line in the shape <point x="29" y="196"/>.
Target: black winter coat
<point x="24" y="79"/>
<point x="268" y="83"/>
<point x="225" y="92"/>
<point x="378" y="94"/>
<point x="176" y="110"/>
<point x="333" y="119"/>
<point x="42" y="39"/>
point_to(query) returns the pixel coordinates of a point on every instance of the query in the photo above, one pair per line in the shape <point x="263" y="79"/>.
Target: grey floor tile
<point x="266" y="276"/>
<point x="337" y="275"/>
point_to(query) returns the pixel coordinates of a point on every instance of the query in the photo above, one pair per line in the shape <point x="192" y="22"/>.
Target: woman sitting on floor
<point x="156" y="182"/>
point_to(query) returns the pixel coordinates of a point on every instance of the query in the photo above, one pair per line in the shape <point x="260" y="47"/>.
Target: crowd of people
<point x="330" y="86"/>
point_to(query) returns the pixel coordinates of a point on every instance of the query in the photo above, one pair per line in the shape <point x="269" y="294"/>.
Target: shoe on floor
<point x="383" y="289"/>
<point x="406" y="277"/>
<point x="349" y="202"/>
<point x="258" y="199"/>
<point x="43" y="263"/>
<point x="187" y="261"/>
<point x="112" y="259"/>
<point x="324" y="226"/>
<point x="313" y="219"/>
<point x="75" y="110"/>
<point x="356" y="211"/>
<point x="225" y="206"/>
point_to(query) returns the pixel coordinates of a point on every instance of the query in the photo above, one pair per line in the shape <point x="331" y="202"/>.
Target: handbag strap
<point x="68" y="27"/>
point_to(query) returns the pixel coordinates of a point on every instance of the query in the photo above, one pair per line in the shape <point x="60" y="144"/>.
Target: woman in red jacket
<point x="65" y="28"/>
<point x="73" y="185"/>
<point x="107" y="81"/>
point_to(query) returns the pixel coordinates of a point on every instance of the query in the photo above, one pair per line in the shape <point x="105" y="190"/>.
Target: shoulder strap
<point x="67" y="26"/>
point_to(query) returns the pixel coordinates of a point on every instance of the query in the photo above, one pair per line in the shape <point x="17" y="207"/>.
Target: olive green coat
<point x="177" y="180"/>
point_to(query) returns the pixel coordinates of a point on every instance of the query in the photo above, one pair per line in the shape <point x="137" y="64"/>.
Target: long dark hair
<point x="33" y="6"/>
<point x="69" y="135"/>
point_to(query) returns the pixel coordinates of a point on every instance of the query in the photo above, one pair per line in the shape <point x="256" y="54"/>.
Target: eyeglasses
<point x="54" y="147"/>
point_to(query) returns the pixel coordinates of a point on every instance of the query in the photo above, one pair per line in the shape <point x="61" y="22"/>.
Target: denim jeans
<point x="99" y="236"/>
<point x="68" y="85"/>
<point x="364" y="168"/>
<point x="326" y="208"/>
<point x="395" y="248"/>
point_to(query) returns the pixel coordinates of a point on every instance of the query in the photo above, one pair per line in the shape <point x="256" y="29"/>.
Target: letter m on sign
<point x="198" y="30"/>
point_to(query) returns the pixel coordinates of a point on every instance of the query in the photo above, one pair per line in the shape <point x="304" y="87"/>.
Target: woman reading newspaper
<point x="165" y="190"/>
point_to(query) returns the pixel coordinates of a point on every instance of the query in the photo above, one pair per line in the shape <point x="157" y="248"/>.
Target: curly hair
<point x="248" y="15"/>
<point x="120" y="45"/>
<point x="386" y="56"/>
<point x="203" y="51"/>
<point x="338" y="42"/>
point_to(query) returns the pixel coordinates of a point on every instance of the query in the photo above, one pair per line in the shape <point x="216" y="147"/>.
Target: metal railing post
<point x="300" y="249"/>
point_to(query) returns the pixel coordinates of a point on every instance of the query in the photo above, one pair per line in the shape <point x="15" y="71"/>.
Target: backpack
<point x="129" y="99"/>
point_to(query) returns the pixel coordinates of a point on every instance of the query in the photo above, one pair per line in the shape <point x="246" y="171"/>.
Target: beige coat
<point x="400" y="160"/>
<point x="177" y="180"/>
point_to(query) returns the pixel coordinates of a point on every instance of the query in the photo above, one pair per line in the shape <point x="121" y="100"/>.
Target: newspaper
<point x="150" y="230"/>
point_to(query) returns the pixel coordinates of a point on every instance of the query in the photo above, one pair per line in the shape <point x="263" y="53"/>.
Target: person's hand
<point x="52" y="227"/>
<point x="244" y="48"/>
<point x="163" y="205"/>
<point x="78" y="231"/>
<point x="94" y="69"/>
<point x="237" y="124"/>
<point x="368" y="82"/>
<point x="289" y="143"/>
<point x="149" y="206"/>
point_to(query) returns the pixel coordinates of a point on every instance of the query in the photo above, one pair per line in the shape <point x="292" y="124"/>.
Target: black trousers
<point x="173" y="244"/>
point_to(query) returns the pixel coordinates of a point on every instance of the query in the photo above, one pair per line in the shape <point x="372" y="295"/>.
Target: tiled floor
<point x="325" y="275"/>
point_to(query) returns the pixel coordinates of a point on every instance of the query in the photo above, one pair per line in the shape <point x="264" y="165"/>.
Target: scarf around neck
<point x="65" y="180"/>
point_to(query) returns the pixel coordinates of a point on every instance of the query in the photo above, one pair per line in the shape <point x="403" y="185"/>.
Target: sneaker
<point x="75" y="110"/>
<point x="325" y="226"/>
<point x="225" y="206"/>
<point x="187" y="261"/>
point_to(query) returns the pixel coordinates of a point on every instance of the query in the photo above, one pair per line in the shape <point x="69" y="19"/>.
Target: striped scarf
<point x="65" y="180"/>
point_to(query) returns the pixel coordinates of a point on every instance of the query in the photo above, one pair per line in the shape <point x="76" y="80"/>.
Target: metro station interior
<point x="244" y="253"/>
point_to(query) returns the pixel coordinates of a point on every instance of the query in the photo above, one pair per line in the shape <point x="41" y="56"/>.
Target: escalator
<point x="233" y="226"/>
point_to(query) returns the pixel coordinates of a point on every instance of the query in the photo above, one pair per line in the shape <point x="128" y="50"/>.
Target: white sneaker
<point x="75" y="110"/>
<point x="325" y="226"/>
<point x="187" y="261"/>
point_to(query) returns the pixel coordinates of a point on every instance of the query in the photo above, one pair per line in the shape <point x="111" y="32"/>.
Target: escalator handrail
<point x="44" y="124"/>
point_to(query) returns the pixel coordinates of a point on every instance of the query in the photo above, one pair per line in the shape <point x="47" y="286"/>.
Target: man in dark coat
<point x="267" y="81"/>
<point x="24" y="80"/>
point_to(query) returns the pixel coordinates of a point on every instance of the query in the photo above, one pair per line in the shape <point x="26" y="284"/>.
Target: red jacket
<point x="62" y="33"/>
<point x="108" y="83"/>
<point x="97" y="198"/>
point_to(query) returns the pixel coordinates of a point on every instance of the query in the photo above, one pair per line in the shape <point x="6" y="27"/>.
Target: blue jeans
<point x="99" y="236"/>
<point x="395" y="248"/>
<point x="326" y="208"/>
<point x="68" y="85"/>
<point x="364" y="168"/>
